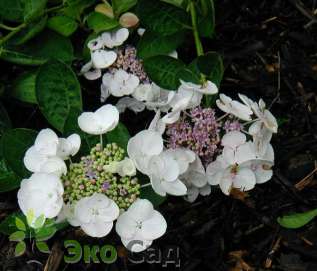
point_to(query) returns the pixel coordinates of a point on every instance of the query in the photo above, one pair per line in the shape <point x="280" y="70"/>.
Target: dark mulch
<point x="270" y="51"/>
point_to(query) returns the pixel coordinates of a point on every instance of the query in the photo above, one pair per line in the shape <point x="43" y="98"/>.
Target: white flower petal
<point x="154" y="227"/>
<point x="244" y="180"/>
<point x="46" y="142"/>
<point x="54" y="165"/>
<point x="176" y="188"/>
<point x="102" y="58"/>
<point x="33" y="160"/>
<point x="97" y="229"/>
<point x="233" y="139"/>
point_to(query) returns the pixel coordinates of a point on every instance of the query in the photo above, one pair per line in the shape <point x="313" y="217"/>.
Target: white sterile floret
<point x="235" y="108"/>
<point x="68" y="214"/>
<point x="130" y="103"/>
<point x="102" y="59"/>
<point x="183" y="157"/>
<point x="124" y="167"/>
<point x="95" y="44"/>
<point x="161" y="99"/>
<point x="157" y="124"/>
<point x="230" y="170"/>
<point x="120" y="83"/>
<point x="188" y="96"/>
<point x="261" y="136"/>
<point x="140" y="225"/>
<point x="43" y="156"/>
<point x="68" y="146"/>
<point x="144" y="92"/>
<point x="99" y="122"/>
<point x="195" y="179"/>
<point x="96" y="214"/>
<point x="46" y="142"/>
<point x="142" y="147"/>
<point x="263" y="114"/>
<point x="115" y="38"/>
<point x="41" y="194"/>
<point x="208" y="87"/>
<point x="164" y="172"/>
<point x="90" y="72"/>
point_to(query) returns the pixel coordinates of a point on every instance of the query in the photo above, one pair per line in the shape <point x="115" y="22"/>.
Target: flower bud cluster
<point x="90" y="176"/>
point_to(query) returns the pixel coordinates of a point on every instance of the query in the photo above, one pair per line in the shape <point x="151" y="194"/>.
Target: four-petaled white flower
<point x="164" y="171"/>
<point x="143" y="146"/>
<point x="95" y="214"/>
<point x="41" y="194"/>
<point x="49" y="151"/>
<point x="229" y="169"/>
<point x="104" y="120"/>
<point x="263" y="127"/>
<point x="235" y="108"/>
<point x="120" y="83"/>
<point x="114" y="38"/>
<point x="140" y="225"/>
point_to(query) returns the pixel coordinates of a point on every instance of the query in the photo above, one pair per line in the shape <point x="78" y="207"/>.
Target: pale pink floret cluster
<point x="128" y="61"/>
<point x="198" y="131"/>
<point x="232" y="125"/>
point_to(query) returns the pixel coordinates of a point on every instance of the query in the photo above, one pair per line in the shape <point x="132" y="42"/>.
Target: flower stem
<point x="199" y="47"/>
<point x="12" y="33"/>
<point x="101" y="142"/>
<point x="6" y="27"/>
<point x="222" y="117"/>
<point x="145" y="185"/>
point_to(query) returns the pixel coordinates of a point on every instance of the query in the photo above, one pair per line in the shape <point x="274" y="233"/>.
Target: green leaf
<point x="152" y="44"/>
<point x="75" y="8"/>
<point x="23" y="87"/>
<point x="45" y="233"/>
<point x="62" y="25"/>
<point x="20" y="249"/>
<point x="8" y="179"/>
<point x="164" y="71"/>
<point x="57" y="91"/>
<point x="297" y="220"/>
<point x="120" y="6"/>
<point x="8" y="225"/>
<point x="206" y="18"/>
<point x="100" y="22"/>
<point x="11" y="10"/>
<point x="37" y="51"/>
<point x="42" y="246"/>
<point x="210" y="65"/>
<point x="14" y="144"/>
<point x="17" y="236"/>
<point x="20" y="224"/>
<point x="5" y="122"/>
<point x="39" y="222"/>
<point x="28" y="32"/>
<point x="162" y="18"/>
<point x="33" y="9"/>
<point x="177" y="3"/>
<point x="119" y="135"/>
